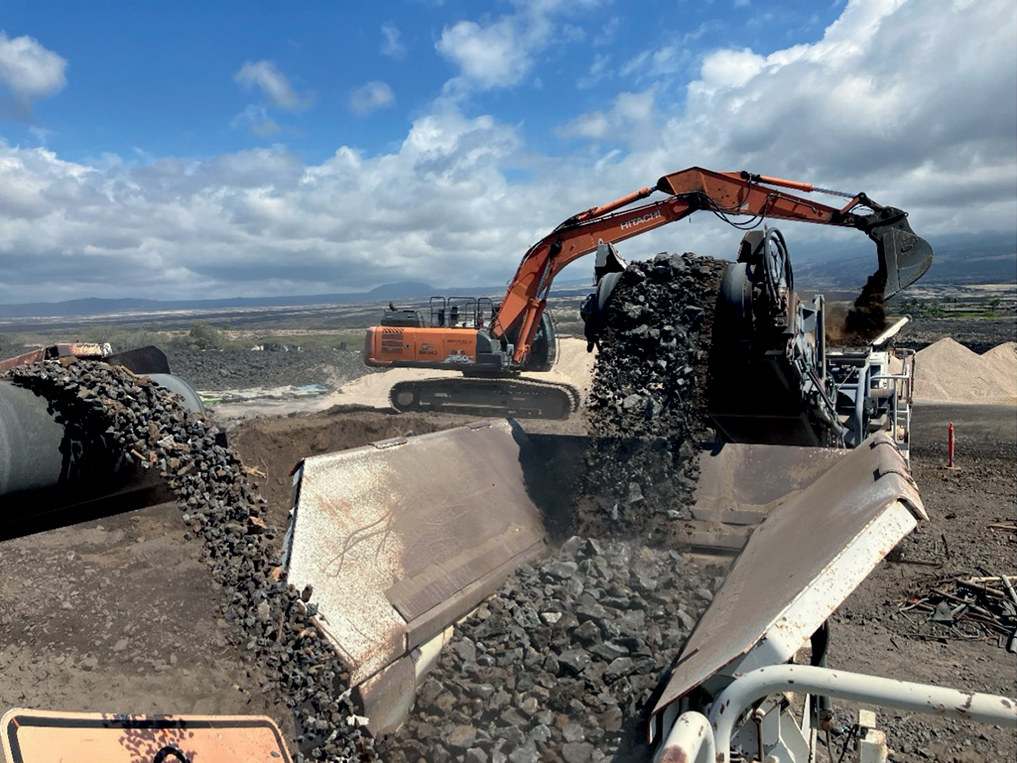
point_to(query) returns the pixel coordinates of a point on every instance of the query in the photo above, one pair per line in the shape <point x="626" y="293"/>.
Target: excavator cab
<point x="544" y="351"/>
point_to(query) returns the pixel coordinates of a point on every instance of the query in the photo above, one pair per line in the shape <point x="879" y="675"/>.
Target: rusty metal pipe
<point x="855" y="687"/>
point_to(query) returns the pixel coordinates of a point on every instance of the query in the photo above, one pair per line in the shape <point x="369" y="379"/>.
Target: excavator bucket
<point x="904" y="257"/>
<point x="401" y="539"/>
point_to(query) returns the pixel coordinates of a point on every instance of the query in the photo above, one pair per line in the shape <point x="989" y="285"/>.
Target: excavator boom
<point x="903" y="256"/>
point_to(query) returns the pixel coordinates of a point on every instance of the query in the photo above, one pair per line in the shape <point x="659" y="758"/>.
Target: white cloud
<point x="884" y="102"/>
<point x="392" y="46"/>
<point x="494" y="56"/>
<point x="370" y="97"/>
<point x="29" y="71"/>
<point x="262" y="221"/>
<point x="625" y="121"/>
<point x="257" y="119"/>
<point x="730" y="68"/>
<point x="273" y="83"/>
<point x="503" y="52"/>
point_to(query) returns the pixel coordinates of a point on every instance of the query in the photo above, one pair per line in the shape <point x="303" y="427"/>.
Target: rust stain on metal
<point x="70" y="350"/>
<point x="673" y="755"/>
<point x="392" y="536"/>
<point x="965" y="707"/>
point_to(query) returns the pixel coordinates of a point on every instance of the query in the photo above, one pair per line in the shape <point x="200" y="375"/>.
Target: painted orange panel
<point x="385" y="345"/>
<point x="42" y="736"/>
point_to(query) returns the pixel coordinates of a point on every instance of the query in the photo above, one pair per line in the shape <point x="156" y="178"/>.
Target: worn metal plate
<point x="801" y="562"/>
<point x="40" y="736"/>
<point x="399" y="541"/>
<point x="745" y="477"/>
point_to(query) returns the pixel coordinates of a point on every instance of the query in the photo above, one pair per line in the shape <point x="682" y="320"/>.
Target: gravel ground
<point x="870" y="635"/>
<point x="238" y="369"/>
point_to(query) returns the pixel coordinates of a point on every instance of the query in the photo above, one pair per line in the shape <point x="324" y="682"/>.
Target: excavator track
<point x="498" y="398"/>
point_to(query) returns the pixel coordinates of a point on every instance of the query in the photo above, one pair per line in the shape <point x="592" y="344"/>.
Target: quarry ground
<point x="119" y="613"/>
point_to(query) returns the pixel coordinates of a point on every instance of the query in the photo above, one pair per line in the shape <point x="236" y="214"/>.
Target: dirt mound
<point x="275" y="445"/>
<point x="949" y="372"/>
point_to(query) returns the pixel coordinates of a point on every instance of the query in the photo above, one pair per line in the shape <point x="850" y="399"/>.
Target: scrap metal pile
<point x="222" y="510"/>
<point x="964" y="607"/>
<point x="562" y="663"/>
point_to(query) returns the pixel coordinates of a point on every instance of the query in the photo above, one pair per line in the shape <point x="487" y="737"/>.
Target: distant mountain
<point x="958" y="259"/>
<point x="401" y="291"/>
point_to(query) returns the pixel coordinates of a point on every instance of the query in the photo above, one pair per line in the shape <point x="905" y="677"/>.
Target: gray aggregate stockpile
<point x="223" y="511"/>
<point x="563" y="663"/>
<point x="233" y="368"/>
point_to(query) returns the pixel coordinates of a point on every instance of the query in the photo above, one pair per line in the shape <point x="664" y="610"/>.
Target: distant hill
<point x="958" y="259"/>
<point x="401" y="291"/>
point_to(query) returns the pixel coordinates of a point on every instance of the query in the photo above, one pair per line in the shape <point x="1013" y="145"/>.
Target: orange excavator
<point x="493" y="346"/>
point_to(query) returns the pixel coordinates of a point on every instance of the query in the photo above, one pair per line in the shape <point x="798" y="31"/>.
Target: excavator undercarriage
<point x="502" y="397"/>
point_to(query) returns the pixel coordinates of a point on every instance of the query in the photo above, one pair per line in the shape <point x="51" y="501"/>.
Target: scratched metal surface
<point x="738" y="474"/>
<point x="802" y="561"/>
<point x="387" y="535"/>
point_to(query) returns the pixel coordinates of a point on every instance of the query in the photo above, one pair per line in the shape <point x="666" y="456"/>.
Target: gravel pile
<point x="232" y="369"/>
<point x="561" y="664"/>
<point x="224" y="512"/>
<point x="648" y="400"/>
<point x="947" y="371"/>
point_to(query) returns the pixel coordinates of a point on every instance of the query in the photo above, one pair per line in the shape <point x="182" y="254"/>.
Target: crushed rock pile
<point x="562" y="663"/>
<point x="238" y="369"/>
<point x="947" y="371"/>
<point x="221" y="509"/>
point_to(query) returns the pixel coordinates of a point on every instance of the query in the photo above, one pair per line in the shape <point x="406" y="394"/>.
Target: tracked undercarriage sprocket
<point x="499" y="398"/>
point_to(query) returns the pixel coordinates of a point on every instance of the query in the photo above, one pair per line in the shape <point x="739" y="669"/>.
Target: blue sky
<point x="239" y="149"/>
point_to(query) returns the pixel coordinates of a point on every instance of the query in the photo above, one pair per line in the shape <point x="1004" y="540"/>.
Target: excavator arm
<point x="903" y="256"/>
